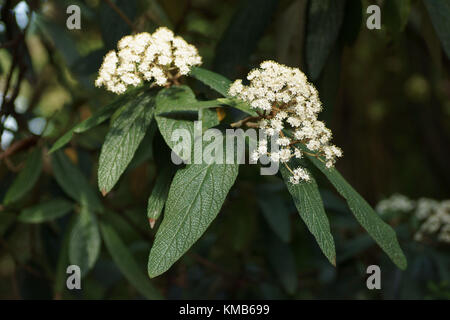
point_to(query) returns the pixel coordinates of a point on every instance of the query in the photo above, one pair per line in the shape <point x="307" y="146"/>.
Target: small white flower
<point x="275" y="156"/>
<point x="285" y="155"/>
<point x="156" y="57"/>
<point x="283" y="141"/>
<point x="287" y="100"/>
<point x="297" y="153"/>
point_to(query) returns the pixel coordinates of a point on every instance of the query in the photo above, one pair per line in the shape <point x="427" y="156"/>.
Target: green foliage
<point x="276" y="212"/>
<point x="439" y="12"/>
<point x="395" y="15"/>
<point x="159" y="194"/>
<point x="195" y="197"/>
<point x="46" y="211"/>
<point x="309" y="205"/>
<point x="85" y="242"/>
<point x="221" y="85"/>
<point x="381" y="232"/>
<point x="126" y="263"/>
<point x="174" y="99"/>
<point x="123" y="139"/>
<point x="282" y="260"/>
<point x="113" y="28"/>
<point x="242" y="35"/>
<point x="26" y="179"/>
<point x="74" y="183"/>
<point x="213" y="80"/>
<point x="254" y="250"/>
<point x="324" y="22"/>
<point x="97" y="118"/>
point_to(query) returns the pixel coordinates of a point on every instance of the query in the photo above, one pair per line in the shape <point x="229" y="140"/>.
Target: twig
<point x="121" y="14"/>
<point x="241" y="122"/>
<point x="18" y="146"/>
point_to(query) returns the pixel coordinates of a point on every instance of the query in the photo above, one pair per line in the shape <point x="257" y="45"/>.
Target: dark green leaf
<point x="220" y="84"/>
<point x="90" y="63"/>
<point x="395" y="15"/>
<point x="440" y="13"/>
<point x="26" y="178"/>
<point x="381" y="232"/>
<point x="101" y="115"/>
<point x="123" y="139"/>
<point x="324" y="23"/>
<point x="282" y="260"/>
<point x="275" y="212"/>
<point x="112" y="25"/>
<point x="127" y="264"/>
<point x="310" y="207"/>
<point x="213" y="80"/>
<point x="353" y="20"/>
<point x="61" y="142"/>
<point x="195" y="197"/>
<point x="85" y="242"/>
<point x="238" y="104"/>
<point x="159" y="195"/>
<point x="208" y="118"/>
<point x="63" y="262"/>
<point x="46" y="211"/>
<point x="73" y="182"/>
<point x="60" y="36"/>
<point x="175" y="99"/>
<point x="242" y="36"/>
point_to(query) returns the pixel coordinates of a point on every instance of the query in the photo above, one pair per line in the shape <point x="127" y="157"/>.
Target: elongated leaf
<point x="238" y="104"/>
<point x="63" y="262"/>
<point x="113" y="27"/>
<point x="324" y="23"/>
<point x="195" y="105"/>
<point x="208" y="118"/>
<point x="85" y="242"/>
<point x="46" y="211"/>
<point x="275" y="212"/>
<point x="283" y="261"/>
<point x="73" y="182"/>
<point x="381" y="232"/>
<point x="310" y="207"/>
<point x="159" y="195"/>
<point x="213" y="80"/>
<point x="97" y="118"/>
<point x="440" y="12"/>
<point x="123" y="139"/>
<point x="175" y="99"/>
<point x="62" y="141"/>
<point x="60" y="36"/>
<point x="395" y="15"/>
<point x="195" y="197"/>
<point x="220" y="84"/>
<point x="127" y="264"/>
<point x="26" y="178"/>
<point x="241" y="38"/>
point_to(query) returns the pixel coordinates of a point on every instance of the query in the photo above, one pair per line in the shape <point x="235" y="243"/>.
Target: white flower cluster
<point x="433" y="215"/>
<point x="436" y="219"/>
<point x="285" y="99"/>
<point x="157" y="57"/>
<point x="396" y="203"/>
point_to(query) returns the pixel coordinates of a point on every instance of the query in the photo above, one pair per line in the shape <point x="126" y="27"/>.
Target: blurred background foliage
<point x="386" y="95"/>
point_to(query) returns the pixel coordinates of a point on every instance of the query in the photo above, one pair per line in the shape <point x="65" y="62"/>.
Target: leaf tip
<point x="403" y="263"/>
<point x="104" y="192"/>
<point x="152" y="222"/>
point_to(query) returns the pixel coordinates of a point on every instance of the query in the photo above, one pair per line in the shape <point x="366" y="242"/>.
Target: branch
<point x="121" y="14"/>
